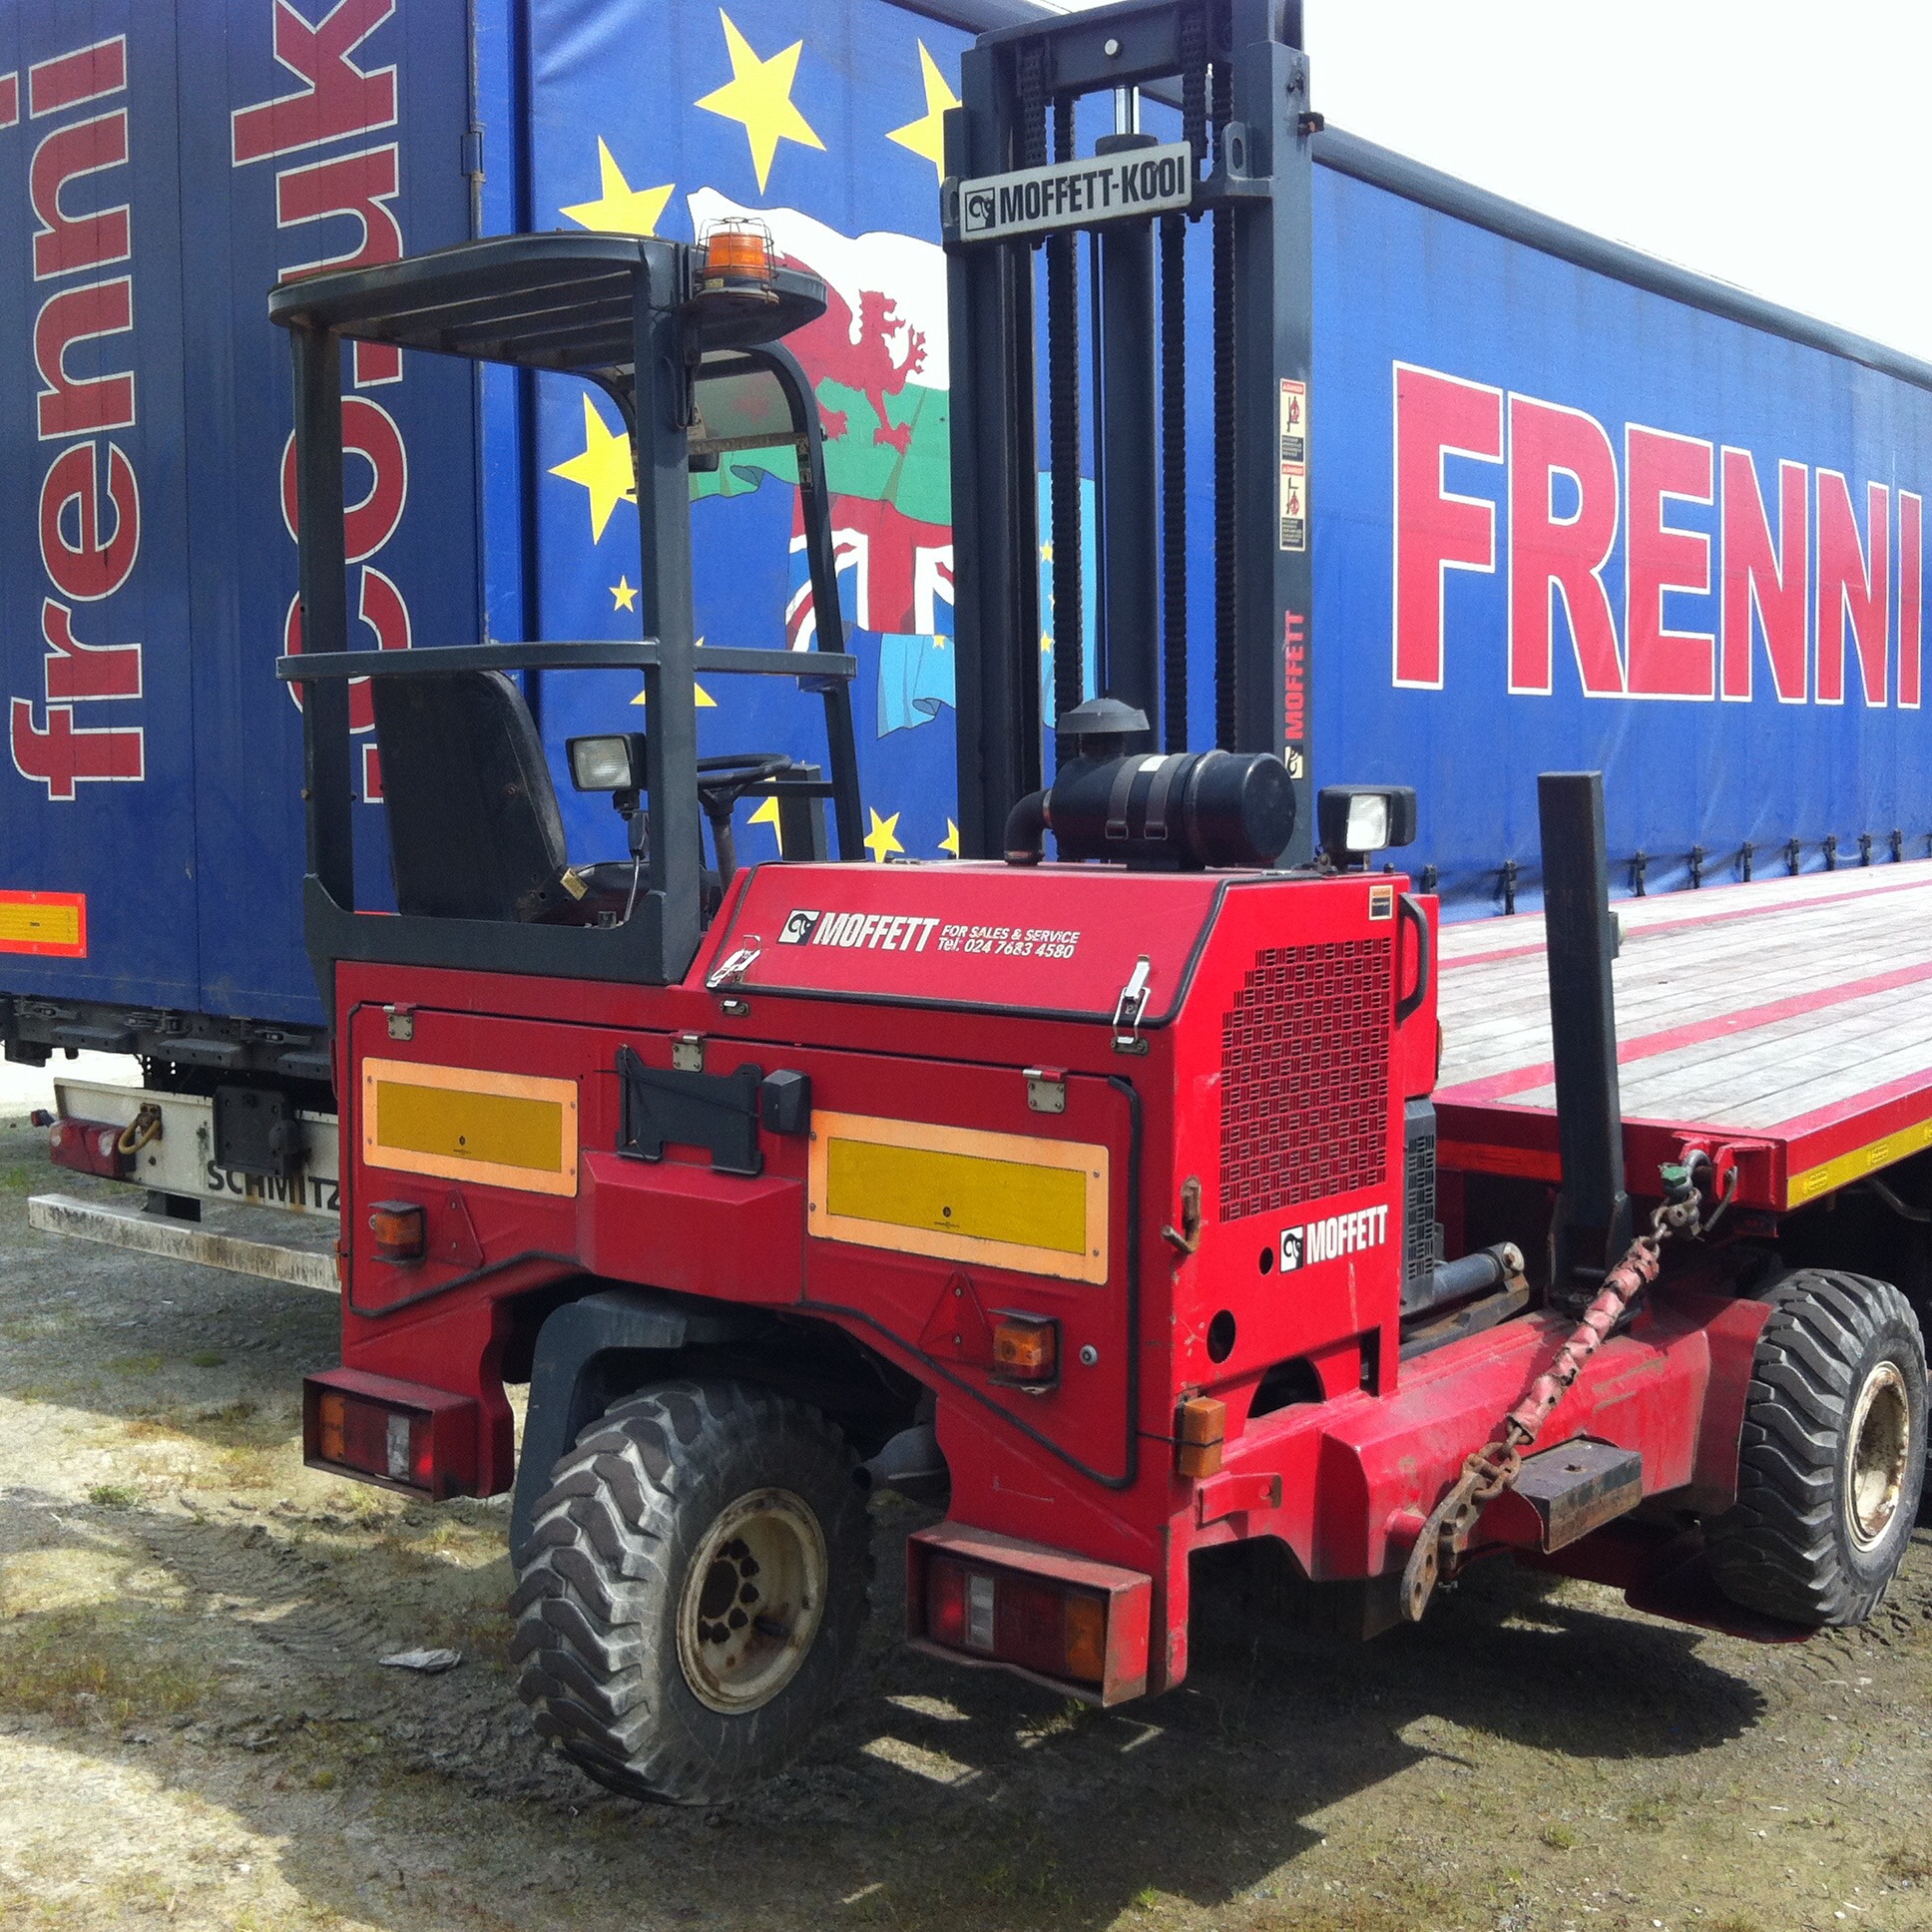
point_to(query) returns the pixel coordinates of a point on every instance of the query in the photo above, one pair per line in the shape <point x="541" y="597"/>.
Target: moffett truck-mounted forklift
<point x="1094" y="1195"/>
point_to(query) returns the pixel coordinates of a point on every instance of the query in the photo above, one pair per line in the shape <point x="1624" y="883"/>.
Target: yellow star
<point x="927" y="135"/>
<point x="759" y="95"/>
<point x="620" y="208"/>
<point x="623" y="595"/>
<point x="883" y="837"/>
<point x="950" y="844"/>
<point x="604" y="469"/>
<point x="767" y="815"/>
<point x="705" y="701"/>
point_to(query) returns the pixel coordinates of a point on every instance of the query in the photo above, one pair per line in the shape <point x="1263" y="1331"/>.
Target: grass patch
<point x="84" y="1666"/>
<point x="136" y="1364"/>
<point x="232" y="1415"/>
<point x="209" y="1358"/>
<point x="55" y="1393"/>
<point x="1907" y="1863"/>
<point x="249" y="1469"/>
<point x="1559" y="1837"/>
<point x="112" y="1496"/>
<point x="234" y="1425"/>
<point x="1651" y="1813"/>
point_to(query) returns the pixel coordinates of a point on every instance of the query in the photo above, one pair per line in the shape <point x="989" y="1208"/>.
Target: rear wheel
<point x="1832" y="1454"/>
<point x="693" y="1590"/>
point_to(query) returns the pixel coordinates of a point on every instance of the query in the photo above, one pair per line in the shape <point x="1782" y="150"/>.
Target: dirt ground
<point x="193" y="1728"/>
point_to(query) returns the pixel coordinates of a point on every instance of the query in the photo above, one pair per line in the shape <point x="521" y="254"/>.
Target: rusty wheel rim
<point x="754" y="1595"/>
<point x="1882" y="1455"/>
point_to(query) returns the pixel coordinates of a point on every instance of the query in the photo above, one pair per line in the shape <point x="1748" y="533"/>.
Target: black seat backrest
<point x="474" y="828"/>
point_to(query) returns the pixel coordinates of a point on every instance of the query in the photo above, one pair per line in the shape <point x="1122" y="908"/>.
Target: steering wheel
<point x="720" y="781"/>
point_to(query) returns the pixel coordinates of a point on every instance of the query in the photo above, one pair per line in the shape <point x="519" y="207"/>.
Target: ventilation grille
<point x="1304" y="1077"/>
<point x="1419" y="1229"/>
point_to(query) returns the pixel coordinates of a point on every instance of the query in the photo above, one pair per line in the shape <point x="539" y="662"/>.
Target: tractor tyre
<point x="693" y="1590"/>
<point x="1832" y="1453"/>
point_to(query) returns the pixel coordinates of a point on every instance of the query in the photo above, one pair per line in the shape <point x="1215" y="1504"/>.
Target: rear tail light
<point x="1026" y="1351"/>
<point x="1038" y="1625"/>
<point x="986" y="1599"/>
<point x="400" y="1230"/>
<point x="397" y="1434"/>
<point x="1199" y="1427"/>
<point x="88" y="1146"/>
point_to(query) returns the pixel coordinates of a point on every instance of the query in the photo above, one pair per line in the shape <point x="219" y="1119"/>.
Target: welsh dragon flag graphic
<point x="877" y="360"/>
<point x="822" y="121"/>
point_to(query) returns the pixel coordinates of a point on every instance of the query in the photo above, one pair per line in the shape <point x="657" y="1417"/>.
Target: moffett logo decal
<point x="1329" y="1239"/>
<point x="886" y="932"/>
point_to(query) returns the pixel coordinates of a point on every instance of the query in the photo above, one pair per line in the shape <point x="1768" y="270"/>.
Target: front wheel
<point x="693" y="1590"/>
<point x="1832" y="1454"/>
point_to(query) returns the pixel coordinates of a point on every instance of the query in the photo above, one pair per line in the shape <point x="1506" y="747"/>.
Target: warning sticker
<point x="1295" y="506"/>
<point x="50" y="926"/>
<point x="1294" y="423"/>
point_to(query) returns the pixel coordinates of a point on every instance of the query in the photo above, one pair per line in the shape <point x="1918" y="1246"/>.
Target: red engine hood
<point x="1057" y="939"/>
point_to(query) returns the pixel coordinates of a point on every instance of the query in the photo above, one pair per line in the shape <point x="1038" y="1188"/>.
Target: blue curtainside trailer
<point x="1566" y="505"/>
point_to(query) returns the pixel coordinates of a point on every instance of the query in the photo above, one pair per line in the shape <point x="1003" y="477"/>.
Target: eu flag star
<point x="758" y="95"/>
<point x="927" y="135"/>
<point x="619" y="208"/>
<point x="603" y="468"/>
<point x="883" y="838"/>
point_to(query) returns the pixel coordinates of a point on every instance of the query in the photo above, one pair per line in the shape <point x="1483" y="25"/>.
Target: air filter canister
<point x="1184" y="810"/>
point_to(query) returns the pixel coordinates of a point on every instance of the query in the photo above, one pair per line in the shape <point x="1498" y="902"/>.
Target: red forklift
<point x="1091" y="1195"/>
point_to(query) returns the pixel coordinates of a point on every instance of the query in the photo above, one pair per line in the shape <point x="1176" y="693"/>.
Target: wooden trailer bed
<point x="1789" y="1019"/>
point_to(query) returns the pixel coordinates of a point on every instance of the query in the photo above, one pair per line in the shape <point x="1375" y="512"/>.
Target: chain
<point x="1493" y="1468"/>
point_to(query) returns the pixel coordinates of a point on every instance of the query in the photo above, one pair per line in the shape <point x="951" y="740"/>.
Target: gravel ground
<point x="193" y="1728"/>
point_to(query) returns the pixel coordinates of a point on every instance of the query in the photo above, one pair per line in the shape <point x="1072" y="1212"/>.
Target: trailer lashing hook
<point x="145" y="1126"/>
<point x="1487" y="1472"/>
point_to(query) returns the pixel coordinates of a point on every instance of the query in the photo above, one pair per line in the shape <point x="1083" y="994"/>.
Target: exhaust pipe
<point x="1592" y="1224"/>
<point x="912" y="1464"/>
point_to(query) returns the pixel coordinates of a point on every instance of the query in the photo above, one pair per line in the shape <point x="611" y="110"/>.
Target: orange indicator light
<point x="1026" y="1351"/>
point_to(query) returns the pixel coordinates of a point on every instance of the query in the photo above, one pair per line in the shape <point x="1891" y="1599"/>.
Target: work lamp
<point x="1355" y="820"/>
<point x="612" y="763"/>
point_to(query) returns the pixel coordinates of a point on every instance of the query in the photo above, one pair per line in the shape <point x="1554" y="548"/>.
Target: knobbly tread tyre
<point x="1786" y="1547"/>
<point x="601" y="1574"/>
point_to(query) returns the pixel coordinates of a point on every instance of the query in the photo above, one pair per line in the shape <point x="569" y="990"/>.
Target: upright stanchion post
<point x="1131" y="535"/>
<point x="323" y="586"/>
<point x="1593" y="1212"/>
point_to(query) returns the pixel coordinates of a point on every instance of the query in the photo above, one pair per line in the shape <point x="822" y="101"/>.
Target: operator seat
<point x="474" y="826"/>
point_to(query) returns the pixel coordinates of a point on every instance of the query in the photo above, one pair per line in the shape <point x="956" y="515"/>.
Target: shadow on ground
<point x="937" y="1798"/>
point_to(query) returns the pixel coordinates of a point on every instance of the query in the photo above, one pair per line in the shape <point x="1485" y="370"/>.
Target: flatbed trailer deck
<point x="1788" y="1020"/>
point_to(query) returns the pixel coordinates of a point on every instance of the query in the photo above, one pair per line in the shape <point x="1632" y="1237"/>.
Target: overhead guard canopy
<point x="539" y="302"/>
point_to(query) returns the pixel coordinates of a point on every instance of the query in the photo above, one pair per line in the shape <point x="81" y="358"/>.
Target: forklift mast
<point x="1018" y="188"/>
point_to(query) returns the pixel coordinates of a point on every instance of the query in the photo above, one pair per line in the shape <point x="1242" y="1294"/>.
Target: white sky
<point x="1777" y="146"/>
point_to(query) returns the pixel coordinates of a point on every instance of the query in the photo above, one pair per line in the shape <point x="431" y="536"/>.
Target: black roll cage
<point x="599" y="306"/>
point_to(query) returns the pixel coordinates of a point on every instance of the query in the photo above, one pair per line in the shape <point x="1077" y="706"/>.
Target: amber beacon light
<point x="738" y="260"/>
